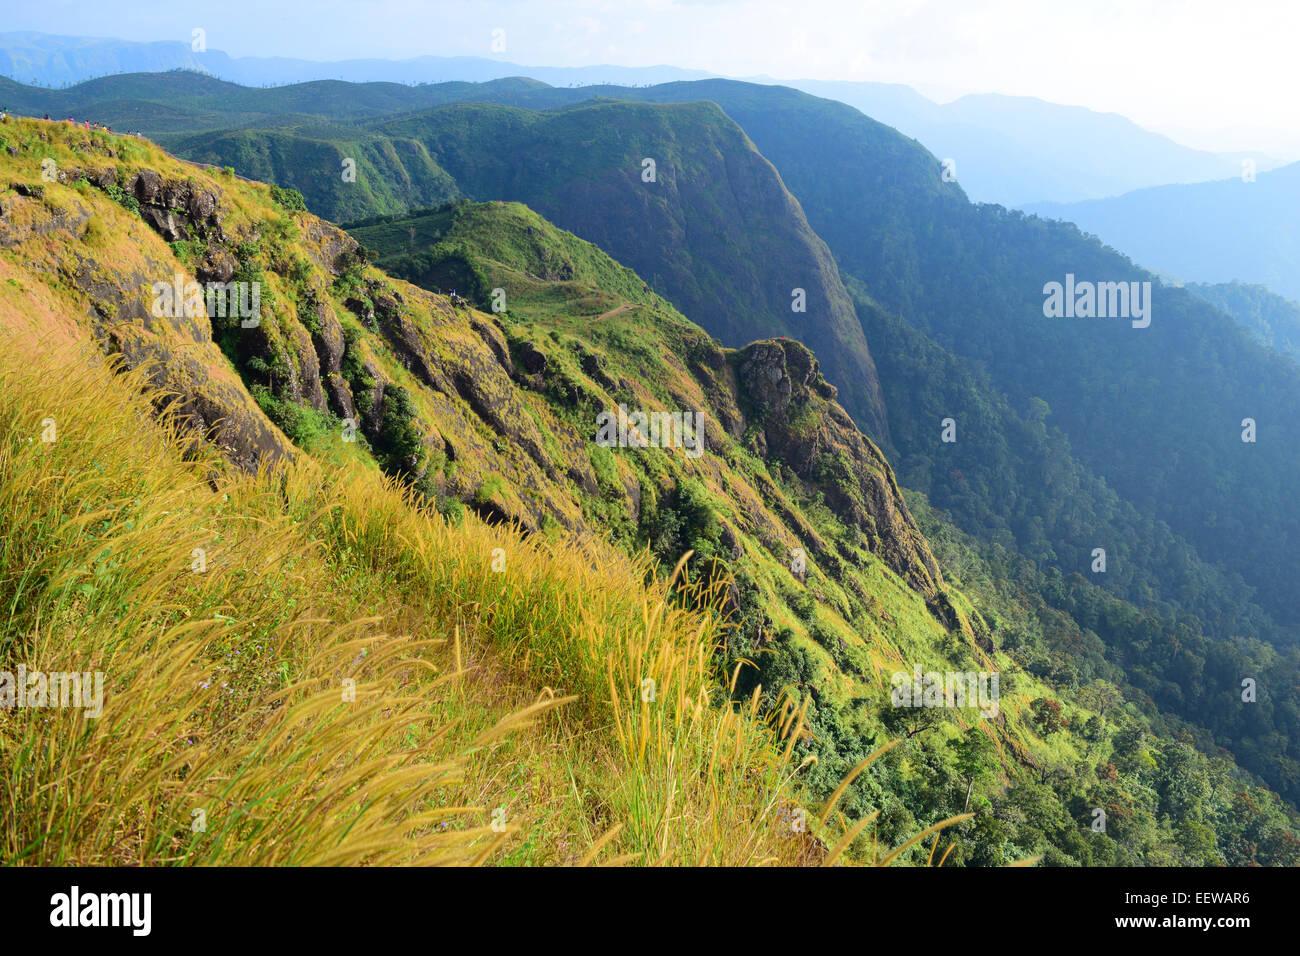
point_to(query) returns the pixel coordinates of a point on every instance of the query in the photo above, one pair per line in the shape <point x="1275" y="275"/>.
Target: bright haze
<point x="1212" y="75"/>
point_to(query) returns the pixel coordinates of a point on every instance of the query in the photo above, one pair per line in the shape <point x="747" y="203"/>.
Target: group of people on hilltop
<point x="87" y="124"/>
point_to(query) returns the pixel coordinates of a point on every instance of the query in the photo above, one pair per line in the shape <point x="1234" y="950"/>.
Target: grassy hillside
<point x="229" y="611"/>
<point x="491" y="716"/>
<point x="486" y="419"/>
<point x="347" y="172"/>
<point x="715" y="231"/>
<point x="355" y="552"/>
<point x="1124" y="753"/>
<point x="449" y="247"/>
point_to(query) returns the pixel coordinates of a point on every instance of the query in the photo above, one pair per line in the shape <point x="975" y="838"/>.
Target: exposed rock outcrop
<point x="798" y="422"/>
<point x="452" y="399"/>
<point x="177" y="209"/>
<point x="115" y="300"/>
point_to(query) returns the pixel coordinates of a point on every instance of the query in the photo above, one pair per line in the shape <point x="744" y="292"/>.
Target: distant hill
<point x="1271" y="319"/>
<point x="1011" y="150"/>
<point x="186" y="102"/>
<point x="50" y="60"/>
<point x="1207" y="232"/>
<point x="1015" y="150"/>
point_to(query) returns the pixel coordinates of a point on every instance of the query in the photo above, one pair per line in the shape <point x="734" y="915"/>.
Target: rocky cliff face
<point x="85" y="251"/>
<point x="798" y="422"/>
<point x="67" y="280"/>
<point x="631" y="348"/>
<point x="491" y="411"/>
<point x="714" y="230"/>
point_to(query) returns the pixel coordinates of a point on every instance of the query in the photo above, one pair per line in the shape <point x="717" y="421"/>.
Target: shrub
<point x="288" y="199"/>
<point x="122" y="198"/>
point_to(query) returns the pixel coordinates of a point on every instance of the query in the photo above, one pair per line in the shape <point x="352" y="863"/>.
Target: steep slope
<point x="793" y="515"/>
<point x="1179" y="629"/>
<point x="464" y="407"/>
<point x="588" y="335"/>
<point x="341" y="171"/>
<point x="551" y="278"/>
<point x="225" y="608"/>
<point x="964" y="273"/>
<point x="1157" y="411"/>
<point x="113" y="276"/>
<point x="304" y="667"/>
<point x="1233" y="229"/>
<point x="715" y="231"/>
<point x="959" y="274"/>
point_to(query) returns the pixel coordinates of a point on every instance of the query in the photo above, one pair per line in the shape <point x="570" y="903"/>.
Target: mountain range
<point x="908" y="462"/>
<point x="1012" y="150"/>
<point x="1017" y="150"/>
<point x="1232" y="230"/>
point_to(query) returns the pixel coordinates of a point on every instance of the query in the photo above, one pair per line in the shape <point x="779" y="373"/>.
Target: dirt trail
<point x="613" y="312"/>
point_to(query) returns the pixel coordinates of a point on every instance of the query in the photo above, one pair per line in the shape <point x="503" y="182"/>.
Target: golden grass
<point x="509" y="700"/>
<point x="328" y="688"/>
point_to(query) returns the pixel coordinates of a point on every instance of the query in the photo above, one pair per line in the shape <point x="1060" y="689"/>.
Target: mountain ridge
<point x="479" y="411"/>
<point x="403" y="339"/>
<point x="1245" y="231"/>
<point x="997" y="154"/>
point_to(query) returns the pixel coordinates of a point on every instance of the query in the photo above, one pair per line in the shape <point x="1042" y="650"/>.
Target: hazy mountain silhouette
<point x="1206" y="232"/>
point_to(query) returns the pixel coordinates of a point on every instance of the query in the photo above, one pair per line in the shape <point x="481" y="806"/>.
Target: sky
<point x="1214" y="74"/>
